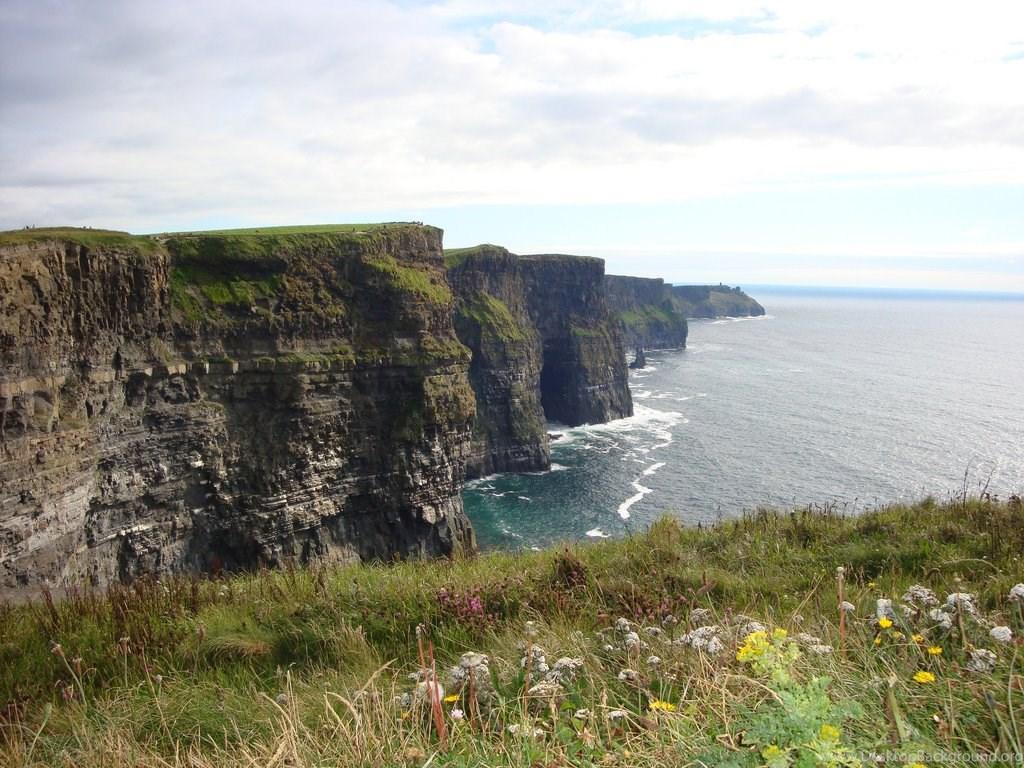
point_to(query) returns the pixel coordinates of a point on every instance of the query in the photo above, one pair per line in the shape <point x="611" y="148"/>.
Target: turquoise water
<point x="838" y="399"/>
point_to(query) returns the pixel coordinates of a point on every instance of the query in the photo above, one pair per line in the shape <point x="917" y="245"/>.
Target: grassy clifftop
<point x="720" y="646"/>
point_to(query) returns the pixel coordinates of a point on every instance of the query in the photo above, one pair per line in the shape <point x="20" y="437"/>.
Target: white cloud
<point x="154" y="115"/>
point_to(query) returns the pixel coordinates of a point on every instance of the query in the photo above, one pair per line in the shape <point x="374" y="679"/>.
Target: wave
<point x="597" y="533"/>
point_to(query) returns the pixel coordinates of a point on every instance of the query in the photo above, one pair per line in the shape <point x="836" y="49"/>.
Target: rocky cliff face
<point x="716" y="301"/>
<point x="652" y="317"/>
<point x="545" y="347"/>
<point x="198" y="403"/>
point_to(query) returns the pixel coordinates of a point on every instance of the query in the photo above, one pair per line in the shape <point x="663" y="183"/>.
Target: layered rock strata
<point x="197" y="403"/>
<point x="652" y="317"/>
<point x="545" y="347"/>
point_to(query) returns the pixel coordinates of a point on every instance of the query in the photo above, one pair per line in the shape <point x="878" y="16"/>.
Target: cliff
<point x="652" y="317"/>
<point x="545" y="346"/>
<point x="227" y="401"/>
<point x="716" y="301"/>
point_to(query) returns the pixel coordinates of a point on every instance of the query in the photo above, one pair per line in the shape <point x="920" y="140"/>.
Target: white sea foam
<point x="558" y="467"/>
<point x="524" y="498"/>
<point x="653" y="468"/>
<point x="597" y="533"/>
<point x="641" y="491"/>
<point x="641" y="394"/>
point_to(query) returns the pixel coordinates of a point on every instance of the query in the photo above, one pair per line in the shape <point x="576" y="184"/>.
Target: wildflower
<point x="917" y="638"/>
<point x="924" y="677"/>
<point x="961" y="601"/>
<point x="530" y="629"/>
<point x="779" y="633"/>
<point x="669" y="621"/>
<point x="898" y="636"/>
<point x="754" y="646"/>
<point x="564" y="670"/>
<point x="654" y="631"/>
<point x="622" y="625"/>
<point x="820" y="649"/>
<point x="771" y="752"/>
<point x="281" y="699"/>
<point x="1017" y="593"/>
<point x="653" y="661"/>
<point x="632" y="641"/>
<point x="703" y="639"/>
<point x="426" y="690"/>
<point x="847" y="607"/>
<point x="617" y="714"/>
<point x="451" y="698"/>
<point x="829" y="733"/>
<point x="657" y="705"/>
<point x="982" y="661"/>
<point x="1001" y="634"/>
<point x="878" y="641"/>
<point x="920" y="596"/>
<point x="457" y="714"/>
<point x="535" y="661"/>
<point x="916" y="765"/>
<point x="751" y="627"/>
<point x="807" y="639"/>
<point x="884" y="622"/>
<point x="700" y="616"/>
<point x="883" y="608"/>
<point x="582" y="714"/>
<point x="934" y="650"/>
<point x="628" y="675"/>
<point x="871" y="585"/>
<point x="940" y="616"/>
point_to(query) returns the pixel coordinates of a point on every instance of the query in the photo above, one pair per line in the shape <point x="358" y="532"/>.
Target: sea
<point x="839" y="399"/>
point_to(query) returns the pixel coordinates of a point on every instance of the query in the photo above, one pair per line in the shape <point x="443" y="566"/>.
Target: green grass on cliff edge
<point x="644" y="652"/>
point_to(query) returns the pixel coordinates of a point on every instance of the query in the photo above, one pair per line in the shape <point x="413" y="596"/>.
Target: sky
<point x="801" y="142"/>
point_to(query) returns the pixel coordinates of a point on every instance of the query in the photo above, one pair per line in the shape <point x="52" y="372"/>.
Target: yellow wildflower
<point x="924" y="677"/>
<point x="754" y="646"/>
<point x="451" y="698"/>
<point x="917" y="765"/>
<point x="829" y="733"/>
<point x="770" y="752"/>
<point x="934" y="650"/>
<point x="872" y="585"/>
<point x="917" y="638"/>
<point x="657" y="705"/>
<point x="898" y="636"/>
<point x="779" y="633"/>
<point x="885" y="622"/>
<point x="878" y="641"/>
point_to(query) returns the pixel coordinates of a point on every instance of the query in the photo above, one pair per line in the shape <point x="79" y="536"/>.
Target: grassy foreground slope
<point x="717" y="646"/>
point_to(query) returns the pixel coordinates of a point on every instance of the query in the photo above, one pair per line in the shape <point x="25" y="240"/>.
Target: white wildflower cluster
<point x="1017" y="593"/>
<point x="847" y="607"/>
<point x="700" y="617"/>
<point x="748" y="626"/>
<point x="962" y="602"/>
<point x="703" y="639"/>
<point x="941" y="617"/>
<point x="629" y="675"/>
<point x="515" y="729"/>
<point x="920" y="597"/>
<point x="535" y="661"/>
<point x="654" y="631"/>
<point x="982" y="661"/>
<point x="476" y="667"/>
<point x="617" y="714"/>
<point x="564" y="671"/>
<point x="813" y="644"/>
<point x="628" y="639"/>
<point x="654" y="661"/>
<point x="1001" y="634"/>
<point x="883" y="609"/>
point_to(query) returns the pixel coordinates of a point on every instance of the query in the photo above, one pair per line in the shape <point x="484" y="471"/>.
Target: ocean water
<point x="841" y="399"/>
